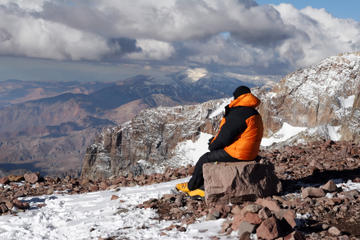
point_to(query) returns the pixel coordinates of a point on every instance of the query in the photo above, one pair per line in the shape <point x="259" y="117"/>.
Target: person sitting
<point x="239" y="137"/>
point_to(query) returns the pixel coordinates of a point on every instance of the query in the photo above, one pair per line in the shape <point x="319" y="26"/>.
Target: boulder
<point x="312" y="192"/>
<point x="237" y="182"/>
<point x="31" y="177"/>
<point x="269" y="229"/>
<point x="4" y="180"/>
<point x="330" y="186"/>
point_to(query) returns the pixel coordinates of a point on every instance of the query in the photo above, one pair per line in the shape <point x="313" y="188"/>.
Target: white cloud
<point x="25" y="5"/>
<point x="28" y="36"/>
<point x="318" y="35"/>
<point x="231" y="33"/>
<point x="152" y="50"/>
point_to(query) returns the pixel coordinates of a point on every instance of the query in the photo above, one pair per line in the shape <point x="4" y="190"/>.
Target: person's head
<point x="240" y="91"/>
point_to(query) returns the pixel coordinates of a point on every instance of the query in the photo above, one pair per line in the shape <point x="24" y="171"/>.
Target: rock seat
<point x="237" y="182"/>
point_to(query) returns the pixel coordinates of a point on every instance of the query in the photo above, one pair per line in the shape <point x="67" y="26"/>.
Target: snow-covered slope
<point x="94" y="215"/>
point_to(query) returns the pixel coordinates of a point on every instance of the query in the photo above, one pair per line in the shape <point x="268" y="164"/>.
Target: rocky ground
<point x="311" y="205"/>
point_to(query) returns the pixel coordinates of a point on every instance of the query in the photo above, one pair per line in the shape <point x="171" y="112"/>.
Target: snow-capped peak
<point x="195" y="74"/>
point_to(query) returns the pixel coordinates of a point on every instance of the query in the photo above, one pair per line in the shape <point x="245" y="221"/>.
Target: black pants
<point x="197" y="179"/>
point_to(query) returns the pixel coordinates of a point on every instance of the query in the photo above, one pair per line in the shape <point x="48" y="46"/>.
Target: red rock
<point x="236" y="210"/>
<point x="40" y="205"/>
<point x="239" y="182"/>
<point x="84" y="181"/>
<point x="245" y="236"/>
<point x="21" y="205"/>
<point x="295" y="236"/>
<point x="334" y="231"/>
<point x="237" y="220"/>
<point x="252" y="218"/>
<point x="4" y="180"/>
<point x="19" y="193"/>
<point x="288" y="215"/>
<point x="103" y="185"/>
<point x="244" y="228"/>
<point x="268" y="229"/>
<point x="3" y="208"/>
<point x="312" y="192"/>
<point x="114" y="197"/>
<point x="330" y="186"/>
<point x="265" y="213"/>
<point x="31" y="177"/>
<point x="13" y="178"/>
<point x="50" y="191"/>
<point x="93" y="188"/>
<point x="9" y="204"/>
<point x="269" y="203"/>
<point x="225" y="226"/>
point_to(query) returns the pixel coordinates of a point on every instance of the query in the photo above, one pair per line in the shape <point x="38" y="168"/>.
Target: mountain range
<point x="47" y="126"/>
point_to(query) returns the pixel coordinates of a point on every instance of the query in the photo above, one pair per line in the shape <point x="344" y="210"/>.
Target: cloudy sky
<point x="110" y="40"/>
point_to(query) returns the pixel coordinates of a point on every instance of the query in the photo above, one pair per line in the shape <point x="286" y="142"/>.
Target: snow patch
<point x="334" y="132"/>
<point x="290" y="133"/>
<point x="349" y="185"/>
<point x="286" y="132"/>
<point x="347" y="102"/>
<point x="220" y="109"/>
<point x="189" y="152"/>
<point x="196" y="73"/>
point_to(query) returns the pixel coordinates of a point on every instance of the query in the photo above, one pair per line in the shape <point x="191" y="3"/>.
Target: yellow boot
<point x="197" y="193"/>
<point x="182" y="187"/>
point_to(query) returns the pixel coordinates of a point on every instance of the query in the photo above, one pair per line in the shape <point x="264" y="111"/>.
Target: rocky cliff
<point x="148" y="142"/>
<point x="323" y="98"/>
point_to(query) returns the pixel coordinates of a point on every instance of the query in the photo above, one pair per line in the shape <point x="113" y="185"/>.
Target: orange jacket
<point x="241" y="129"/>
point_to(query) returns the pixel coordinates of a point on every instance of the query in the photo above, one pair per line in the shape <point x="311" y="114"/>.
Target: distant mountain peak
<point x="195" y="74"/>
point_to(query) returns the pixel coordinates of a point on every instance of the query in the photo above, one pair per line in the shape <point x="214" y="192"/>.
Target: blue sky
<point x="112" y="40"/>
<point x="340" y="9"/>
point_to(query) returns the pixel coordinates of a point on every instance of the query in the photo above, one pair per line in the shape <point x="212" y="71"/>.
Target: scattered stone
<point x="330" y="186"/>
<point x="252" y="218"/>
<point x="226" y="226"/>
<point x="21" y="205"/>
<point x="4" y="180"/>
<point x="288" y="215"/>
<point x="50" y="191"/>
<point x="312" y="192"/>
<point x="265" y="213"/>
<point x="236" y="210"/>
<point x="13" y="178"/>
<point x="296" y="235"/>
<point x="334" y="231"/>
<point x="269" y="203"/>
<point x="245" y="227"/>
<point x="40" y="205"/>
<point x="268" y="229"/>
<point x="114" y="197"/>
<point x="31" y="177"/>
<point x="245" y="236"/>
<point x="253" y="208"/>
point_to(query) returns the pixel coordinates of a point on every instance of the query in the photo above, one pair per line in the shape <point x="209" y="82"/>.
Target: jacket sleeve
<point x="232" y="128"/>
